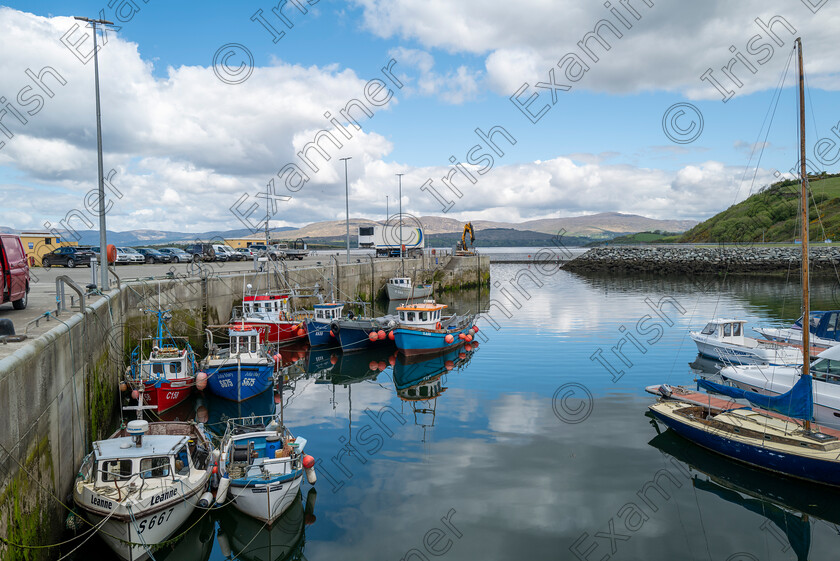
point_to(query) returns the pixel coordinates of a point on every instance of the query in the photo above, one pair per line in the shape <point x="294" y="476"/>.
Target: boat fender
<point x="224" y="485"/>
<point x="206" y="500"/>
<point x="335" y="328"/>
<point x="201" y="381"/>
<point x="224" y="544"/>
<point x="309" y="466"/>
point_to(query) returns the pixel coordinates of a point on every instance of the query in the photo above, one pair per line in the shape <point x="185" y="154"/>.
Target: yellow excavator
<point x="463" y="249"/>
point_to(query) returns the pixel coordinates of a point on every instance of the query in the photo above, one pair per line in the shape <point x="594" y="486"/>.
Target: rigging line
<point x="779" y="87"/>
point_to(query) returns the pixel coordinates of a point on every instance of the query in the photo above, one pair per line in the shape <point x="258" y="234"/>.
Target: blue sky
<point x="185" y="146"/>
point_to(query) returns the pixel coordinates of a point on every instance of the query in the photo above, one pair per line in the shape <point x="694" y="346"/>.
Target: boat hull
<point x="396" y="292"/>
<point x="150" y="530"/>
<point x="265" y="501"/>
<point x="810" y="469"/>
<point x="168" y="394"/>
<point x="276" y="332"/>
<point x="719" y="350"/>
<point x="428" y="341"/>
<point x="318" y="333"/>
<point x="240" y="382"/>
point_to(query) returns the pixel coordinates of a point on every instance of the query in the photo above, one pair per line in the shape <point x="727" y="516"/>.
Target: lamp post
<point x="103" y="243"/>
<point x="402" y="258"/>
<point x="347" y="206"/>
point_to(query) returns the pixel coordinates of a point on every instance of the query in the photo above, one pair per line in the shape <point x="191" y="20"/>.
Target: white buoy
<point x="206" y="500"/>
<point x="221" y="492"/>
<point x="310" y="476"/>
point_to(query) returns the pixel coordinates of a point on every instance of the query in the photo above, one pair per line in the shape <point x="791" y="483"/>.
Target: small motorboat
<point x="357" y="333"/>
<point x="244" y="370"/>
<point x="138" y="486"/>
<point x="318" y="325"/>
<point x="163" y="367"/>
<point x="424" y="329"/>
<point x="724" y="340"/>
<point x="269" y="314"/>
<point x="823" y="330"/>
<point x="262" y="466"/>
<point x="401" y="288"/>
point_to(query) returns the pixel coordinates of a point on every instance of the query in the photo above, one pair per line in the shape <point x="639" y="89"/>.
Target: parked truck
<point x="386" y="240"/>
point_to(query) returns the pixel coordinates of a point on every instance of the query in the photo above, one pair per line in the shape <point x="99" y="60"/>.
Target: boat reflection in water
<point x="217" y="410"/>
<point x="789" y="504"/>
<point x="195" y="545"/>
<point x="248" y="539"/>
<point x="705" y="366"/>
<point x="419" y="381"/>
<point x="330" y="367"/>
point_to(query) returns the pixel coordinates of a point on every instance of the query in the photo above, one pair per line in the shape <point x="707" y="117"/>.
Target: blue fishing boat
<point x="244" y="370"/>
<point x="355" y="334"/>
<point x="424" y="329"/>
<point x="318" y="326"/>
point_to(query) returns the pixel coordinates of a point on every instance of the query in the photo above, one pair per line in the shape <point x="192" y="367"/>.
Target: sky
<point x="213" y="112"/>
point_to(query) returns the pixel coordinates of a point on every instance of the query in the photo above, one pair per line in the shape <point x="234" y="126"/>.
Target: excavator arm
<point x="467" y="228"/>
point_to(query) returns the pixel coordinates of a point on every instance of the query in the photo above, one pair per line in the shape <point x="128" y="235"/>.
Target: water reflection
<point x="196" y="542"/>
<point x="789" y="505"/>
<point x="248" y="539"/>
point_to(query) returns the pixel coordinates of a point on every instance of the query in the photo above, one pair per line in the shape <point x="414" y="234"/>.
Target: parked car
<point x="177" y="255"/>
<point x="206" y="252"/>
<point x="153" y="255"/>
<point x="229" y="254"/>
<point x="248" y="252"/>
<point x="14" y="272"/>
<point x="133" y="255"/>
<point x="68" y="256"/>
<point x="276" y="252"/>
<point x="236" y="255"/>
<point x="123" y="258"/>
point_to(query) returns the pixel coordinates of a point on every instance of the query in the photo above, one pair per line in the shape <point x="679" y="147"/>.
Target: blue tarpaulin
<point x="797" y="403"/>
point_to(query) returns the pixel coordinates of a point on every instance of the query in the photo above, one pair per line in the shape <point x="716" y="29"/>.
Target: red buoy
<point x="135" y="395"/>
<point x="333" y="359"/>
<point x="301" y="332"/>
<point x="308" y="461"/>
<point x="462" y="355"/>
<point x="381" y="334"/>
<point x="392" y="360"/>
<point x="462" y="336"/>
<point x="475" y="328"/>
<point x="449" y="365"/>
<point x="467" y="337"/>
<point x="449" y="338"/>
<point x="382" y="365"/>
<point x="201" y="381"/>
<point x="391" y="335"/>
<point x="331" y="333"/>
<point x="373" y="336"/>
<point x="467" y="347"/>
<point x="373" y="365"/>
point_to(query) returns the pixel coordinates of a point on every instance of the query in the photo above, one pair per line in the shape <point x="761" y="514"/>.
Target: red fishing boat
<point x="269" y="314"/>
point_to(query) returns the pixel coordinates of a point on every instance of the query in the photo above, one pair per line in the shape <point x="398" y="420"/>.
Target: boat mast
<point x="803" y="176"/>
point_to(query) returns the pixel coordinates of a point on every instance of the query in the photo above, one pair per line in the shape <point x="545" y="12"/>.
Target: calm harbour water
<point x="514" y="453"/>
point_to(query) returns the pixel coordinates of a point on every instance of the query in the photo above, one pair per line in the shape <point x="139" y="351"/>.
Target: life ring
<point x="438" y="326"/>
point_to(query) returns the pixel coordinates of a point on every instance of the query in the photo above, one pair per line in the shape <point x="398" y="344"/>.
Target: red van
<point x="14" y="272"/>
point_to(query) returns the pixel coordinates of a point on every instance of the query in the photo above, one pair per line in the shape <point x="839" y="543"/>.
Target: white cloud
<point x="453" y="87"/>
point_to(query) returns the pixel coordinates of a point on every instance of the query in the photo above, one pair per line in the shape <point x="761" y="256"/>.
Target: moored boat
<point x="724" y="340"/>
<point x="823" y="331"/>
<point x="270" y="315"/>
<point x="262" y="466"/>
<point x="401" y="288"/>
<point x="138" y="486"/>
<point x="318" y="325"/>
<point x="163" y="367"/>
<point x="424" y="329"/>
<point x="357" y="333"/>
<point x="244" y="370"/>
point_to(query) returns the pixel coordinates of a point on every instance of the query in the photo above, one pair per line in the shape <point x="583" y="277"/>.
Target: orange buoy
<point x="373" y="336"/>
<point x="391" y="335"/>
<point x="333" y="359"/>
<point x="381" y="334"/>
<point x="373" y="365"/>
<point x="449" y="338"/>
<point x="462" y="336"/>
<point x="467" y="337"/>
<point x="111" y="253"/>
<point x="449" y="365"/>
<point x="135" y="395"/>
<point x="462" y="355"/>
<point x="123" y="386"/>
<point x="382" y="365"/>
<point x="467" y="347"/>
<point x="301" y="332"/>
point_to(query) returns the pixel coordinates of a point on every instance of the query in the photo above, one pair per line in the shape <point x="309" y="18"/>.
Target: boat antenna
<point x="803" y="176"/>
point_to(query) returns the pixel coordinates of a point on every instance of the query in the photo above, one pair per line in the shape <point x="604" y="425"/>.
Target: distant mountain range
<point x="605" y="225"/>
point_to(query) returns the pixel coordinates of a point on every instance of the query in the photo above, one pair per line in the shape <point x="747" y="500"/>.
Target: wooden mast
<point x="803" y="175"/>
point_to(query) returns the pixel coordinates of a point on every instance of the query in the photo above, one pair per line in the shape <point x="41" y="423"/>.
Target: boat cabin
<point x="403" y="282"/>
<point x="728" y="330"/>
<point x="325" y="313"/>
<point x="426" y="315"/>
<point x="244" y="341"/>
<point x="165" y="363"/>
<point x="141" y="458"/>
<point x="266" y="306"/>
<point x="825" y="325"/>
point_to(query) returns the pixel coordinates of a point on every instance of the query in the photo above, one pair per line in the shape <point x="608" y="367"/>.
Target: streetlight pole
<point x="402" y="258"/>
<point x="347" y="206"/>
<point x="387" y="214"/>
<point x="103" y="243"/>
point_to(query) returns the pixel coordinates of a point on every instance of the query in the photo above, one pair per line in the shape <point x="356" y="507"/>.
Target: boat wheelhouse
<point x="318" y="325"/>
<point x="143" y="482"/>
<point x="243" y="370"/>
<point x="724" y="340"/>
<point x="401" y="288"/>
<point x="271" y="316"/>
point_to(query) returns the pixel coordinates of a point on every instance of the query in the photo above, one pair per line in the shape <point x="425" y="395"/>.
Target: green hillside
<point x="772" y="215"/>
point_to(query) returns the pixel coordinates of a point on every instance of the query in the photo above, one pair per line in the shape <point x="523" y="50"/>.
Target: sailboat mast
<point x="803" y="175"/>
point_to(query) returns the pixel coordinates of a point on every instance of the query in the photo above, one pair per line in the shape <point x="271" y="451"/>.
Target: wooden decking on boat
<point x="814" y="350"/>
<point x="686" y="395"/>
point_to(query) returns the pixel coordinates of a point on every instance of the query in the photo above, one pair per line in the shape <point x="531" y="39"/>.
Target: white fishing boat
<point x="262" y="466"/>
<point x="138" y="486"/>
<point x="724" y="340"/>
<point x="776" y="380"/>
<point x="401" y="288"/>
